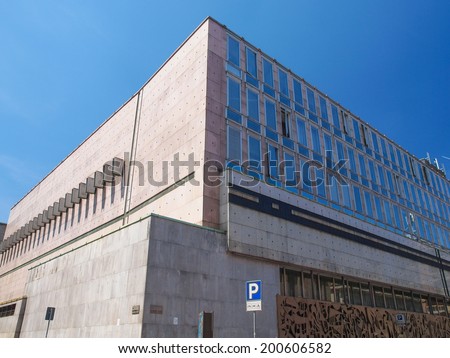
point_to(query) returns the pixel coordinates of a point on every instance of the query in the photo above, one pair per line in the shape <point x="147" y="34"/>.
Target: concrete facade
<point x="142" y="252"/>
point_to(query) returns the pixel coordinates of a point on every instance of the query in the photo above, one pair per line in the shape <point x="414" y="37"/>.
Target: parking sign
<point x="253" y="291"/>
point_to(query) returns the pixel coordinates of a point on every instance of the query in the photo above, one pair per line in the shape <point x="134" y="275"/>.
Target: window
<point x="425" y="175"/>
<point x="381" y="175"/>
<point x="328" y="149"/>
<point x="351" y="158"/>
<point x="233" y="51"/>
<point x="234" y="94"/>
<point x="365" y="135"/>
<point x="392" y="154"/>
<point x="398" y="222"/>
<point x="7" y="311"/>
<point x="399" y="300"/>
<point x="358" y="202"/>
<point x="362" y="165"/>
<point x="373" y="176"/>
<point x="368" y="200"/>
<point x="346" y="196"/>
<point x="272" y="162"/>
<point x="298" y="97"/>
<point x="356" y="130"/>
<point x="268" y="72"/>
<point x="383" y="147"/>
<point x="378" y="209"/>
<point x="344" y="117"/>
<point x="413" y="167"/>
<point x="301" y="132"/>
<point x="271" y="119"/>
<point x="389" y="297"/>
<point x="323" y="108"/>
<point x="251" y="63"/>
<point x="284" y="89"/>
<point x="354" y="293"/>
<point x="285" y="125"/>
<point x="406" y="160"/>
<point x="399" y="158"/>
<point x="254" y="153"/>
<point x="320" y="183"/>
<point x="335" y="115"/>
<point x="379" y="296"/>
<point x="390" y="181"/>
<point x="234" y="145"/>
<point x="387" y="212"/>
<point x="315" y="139"/>
<point x="311" y="105"/>
<point x="289" y="170"/>
<point x="334" y="190"/>
<point x="253" y="104"/>
<point x="375" y="142"/>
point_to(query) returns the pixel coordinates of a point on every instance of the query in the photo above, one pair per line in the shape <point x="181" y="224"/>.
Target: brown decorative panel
<point x="298" y="317"/>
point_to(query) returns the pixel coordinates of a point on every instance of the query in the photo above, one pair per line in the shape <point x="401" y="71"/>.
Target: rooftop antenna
<point x="436" y="163"/>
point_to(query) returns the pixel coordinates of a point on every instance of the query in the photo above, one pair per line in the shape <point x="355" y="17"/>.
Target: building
<point x="227" y="167"/>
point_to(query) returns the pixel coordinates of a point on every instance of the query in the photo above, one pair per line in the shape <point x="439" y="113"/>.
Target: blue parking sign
<point x="254" y="295"/>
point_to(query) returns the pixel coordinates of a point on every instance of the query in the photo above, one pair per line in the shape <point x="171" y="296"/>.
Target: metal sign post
<point x="49" y="316"/>
<point x="253" y="291"/>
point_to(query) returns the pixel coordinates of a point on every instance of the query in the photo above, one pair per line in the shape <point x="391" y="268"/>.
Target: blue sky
<point x="66" y="66"/>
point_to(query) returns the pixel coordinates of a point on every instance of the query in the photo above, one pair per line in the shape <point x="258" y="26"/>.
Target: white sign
<point x="253" y="291"/>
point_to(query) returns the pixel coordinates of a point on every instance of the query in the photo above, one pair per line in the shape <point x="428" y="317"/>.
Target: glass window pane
<point x="289" y="169"/>
<point x="301" y="132"/>
<point x="234" y="144"/>
<point x="378" y="294"/>
<point x="233" y="51"/>
<point x="375" y="142"/>
<point x="365" y="292"/>
<point x="389" y="298"/>
<point x="273" y="161"/>
<point x="311" y="100"/>
<point x="425" y="304"/>
<point x="251" y="63"/>
<point x="298" y="92"/>
<point x="358" y="202"/>
<point x="399" y="300"/>
<point x="335" y="115"/>
<point x="417" y="303"/>
<point x="339" y="290"/>
<point x="327" y="289"/>
<point x="346" y="196"/>
<point x="323" y="108"/>
<point x="315" y="139"/>
<point x="253" y="104"/>
<point x="307" y="285"/>
<point x="387" y="212"/>
<point x="268" y="73"/>
<point x="282" y="76"/>
<point x="294" y="283"/>
<point x="362" y="165"/>
<point x="378" y="208"/>
<point x="271" y="119"/>
<point x="356" y="130"/>
<point x="254" y="153"/>
<point x="234" y="94"/>
<point x="351" y="158"/>
<point x="408" y="301"/>
<point x="355" y="293"/>
<point x="368" y="200"/>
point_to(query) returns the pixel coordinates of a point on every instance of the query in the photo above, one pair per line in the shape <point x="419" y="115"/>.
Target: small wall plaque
<point x="155" y="309"/>
<point x="136" y="309"/>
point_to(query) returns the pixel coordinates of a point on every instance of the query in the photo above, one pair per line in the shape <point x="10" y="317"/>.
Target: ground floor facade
<point x="322" y="276"/>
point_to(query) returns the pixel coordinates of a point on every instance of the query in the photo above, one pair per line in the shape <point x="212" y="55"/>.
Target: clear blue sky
<point x="65" y="66"/>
